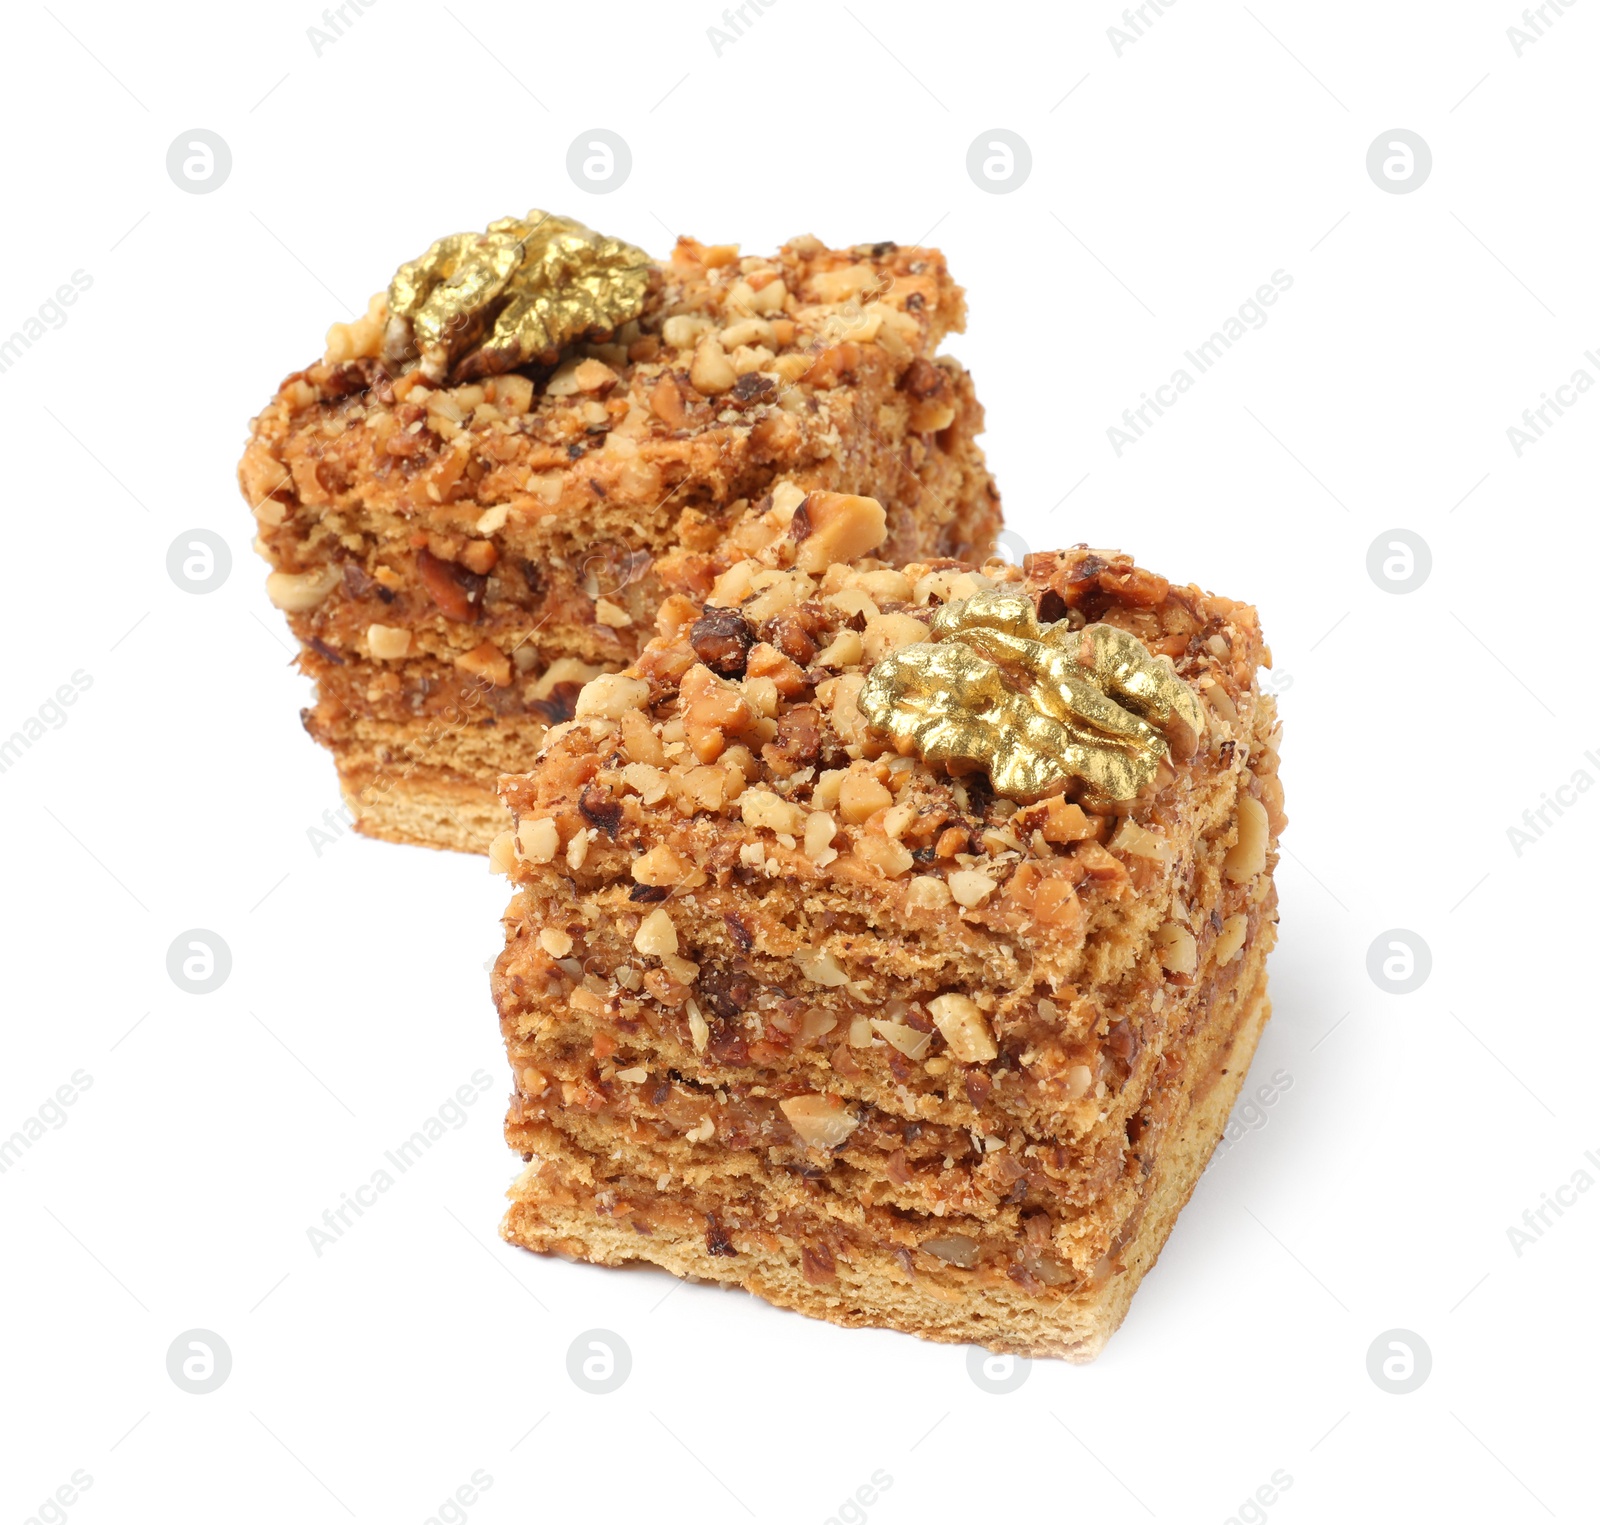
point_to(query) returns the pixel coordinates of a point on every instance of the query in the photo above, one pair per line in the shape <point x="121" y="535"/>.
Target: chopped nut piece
<point x="826" y="794"/>
<point x="1066" y="823"/>
<point x="822" y="1122"/>
<point x="845" y="650"/>
<point x="702" y="788"/>
<point x="649" y="783"/>
<point x="298" y="592"/>
<point x="711" y="372"/>
<point x="1138" y="842"/>
<point x="817" y="1024"/>
<point x="899" y="818"/>
<point x="538" y="840"/>
<point x="486" y="661"/>
<point x="656" y="935"/>
<point x="833" y="286"/>
<point x="594" y="375"/>
<point x="388" y="643"/>
<point x="733" y="587"/>
<point x="1248" y="856"/>
<point x="713" y="711"/>
<point x="969" y="887"/>
<point x="1079" y="1078"/>
<point x="959" y="1250"/>
<point x="820" y="967"/>
<point x="635" y="1076"/>
<point x="1231" y="939"/>
<point x="927" y="893"/>
<point x="889" y="857"/>
<point x="556" y="943"/>
<point x="699" y="1029"/>
<point x="562" y="670"/>
<point x="762" y="694"/>
<point x="457" y="591"/>
<point x="660" y="868"/>
<point x="1217" y="697"/>
<point x="513" y="395"/>
<point x="361" y="339"/>
<point x="889" y="632"/>
<point x="762" y="810"/>
<point x="681" y="969"/>
<point x="912" y="1043"/>
<point x="964" y="1028"/>
<point x="639" y="741"/>
<point x="722" y="638"/>
<point x="852" y="602"/>
<point x="578" y="849"/>
<point x="1272" y="799"/>
<point x="821" y="829"/>
<point x="886" y="583"/>
<point x="860" y="796"/>
<point x="501" y="855"/>
<point x="611" y="615"/>
<point x="683" y="330"/>
<point x="609" y="696"/>
<point x="1176" y="948"/>
<point x="831" y="526"/>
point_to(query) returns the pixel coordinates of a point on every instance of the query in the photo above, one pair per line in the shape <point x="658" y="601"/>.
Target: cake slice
<point x="891" y="941"/>
<point x="476" y="500"/>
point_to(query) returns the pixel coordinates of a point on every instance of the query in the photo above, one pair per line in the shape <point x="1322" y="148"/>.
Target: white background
<point x="1167" y="184"/>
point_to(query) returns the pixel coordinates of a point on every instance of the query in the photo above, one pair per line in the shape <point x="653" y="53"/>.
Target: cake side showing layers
<point x="937" y="1201"/>
<point x="461" y="556"/>
<point x="770" y="980"/>
<point x="576" y="1204"/>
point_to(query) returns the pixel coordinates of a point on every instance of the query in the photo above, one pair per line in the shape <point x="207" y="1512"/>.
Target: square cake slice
<point x="891" y="941"/>
<point x="475" y="502"/>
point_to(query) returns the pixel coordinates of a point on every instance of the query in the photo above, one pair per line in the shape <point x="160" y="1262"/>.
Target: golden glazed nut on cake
<point x="890" y="940"/>
<point x="475" y="502"/>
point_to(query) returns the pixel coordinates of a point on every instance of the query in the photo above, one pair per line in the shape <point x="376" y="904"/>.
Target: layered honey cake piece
<point x="475" y="501"/>
<point x="890" y="941"/>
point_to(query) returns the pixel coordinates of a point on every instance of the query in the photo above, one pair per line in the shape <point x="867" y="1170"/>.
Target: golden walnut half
<point x="1036" y="706"/>
<point x="479" y="304"/>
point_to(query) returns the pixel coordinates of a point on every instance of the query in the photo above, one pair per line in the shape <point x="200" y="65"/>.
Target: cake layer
<point x="556" y="1036"/>
<point x="739" y="1140"/>
<point x="569" y="1203"/>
